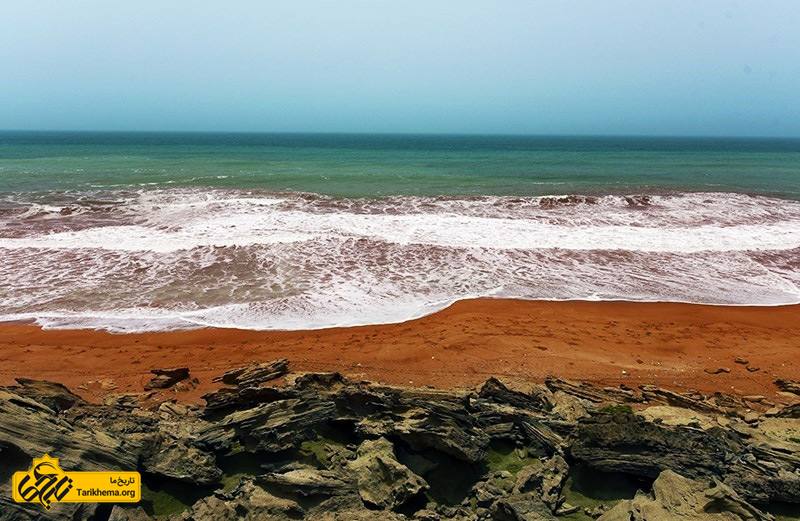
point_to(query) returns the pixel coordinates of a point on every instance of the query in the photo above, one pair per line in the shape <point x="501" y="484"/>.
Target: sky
<point x="633" y="67"/>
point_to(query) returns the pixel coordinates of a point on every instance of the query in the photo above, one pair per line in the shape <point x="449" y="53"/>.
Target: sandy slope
<point x="670" y="345"/>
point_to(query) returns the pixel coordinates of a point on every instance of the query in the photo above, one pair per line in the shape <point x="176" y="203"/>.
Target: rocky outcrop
<point x="166" y="378"/>
<point x="51" y="394"/>
<point x="621" y="441"/>
<point x="309" y="482"/>
<point x="521" y="507"/>
<point x="677" y="498"/>
<point x="181" y="461"/>
<point x="320" y="446"/>
<point x="789" y="386"/>
<point x="546" y="480"/>
<point x="383" y="481"/>
<point x="255" y="374"/>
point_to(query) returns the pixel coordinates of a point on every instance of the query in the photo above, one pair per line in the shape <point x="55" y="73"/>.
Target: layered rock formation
<point x="324" y="447"/>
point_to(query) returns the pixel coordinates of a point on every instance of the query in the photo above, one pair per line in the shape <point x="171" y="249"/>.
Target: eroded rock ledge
<point x="322" y="447"/>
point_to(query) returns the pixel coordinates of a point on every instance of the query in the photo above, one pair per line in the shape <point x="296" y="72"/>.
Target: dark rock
<point x="52" y="394"/>
<point x="230" y="398"/>
<point x="443" y="426"/>
<point x="790" y="411"/>
<point x="789" y="386"/>
<point x="271" y="427"/>
<point x="628" y="443"/>
<point x="486" y="492"/>
<point x="374" y="449"/>
<point x="321" y="381"/>
<point x="34" y="429"/>
<point x="638" y="201"/>
<point x="166" y="378"/>
<point x="655" y="394"/>
<point x="521" y="507"/>
<point x="591" y="393"/>
<point x="495" y="390"/>
<point x="255" y="374"/>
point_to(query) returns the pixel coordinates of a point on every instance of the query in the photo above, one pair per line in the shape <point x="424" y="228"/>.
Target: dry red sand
<point x="669" y="345"/>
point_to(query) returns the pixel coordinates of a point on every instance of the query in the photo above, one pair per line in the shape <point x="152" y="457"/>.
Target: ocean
<point x="159" y="231"/>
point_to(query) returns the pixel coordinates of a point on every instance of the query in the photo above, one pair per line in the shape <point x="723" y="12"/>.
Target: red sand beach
<point x="669" y="345"/>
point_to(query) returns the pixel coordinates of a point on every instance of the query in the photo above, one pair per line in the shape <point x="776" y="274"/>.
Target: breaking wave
<point x="167" y="259"/>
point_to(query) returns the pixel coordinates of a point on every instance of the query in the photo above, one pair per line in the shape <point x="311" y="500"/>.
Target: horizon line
<point x="384" y="133"/>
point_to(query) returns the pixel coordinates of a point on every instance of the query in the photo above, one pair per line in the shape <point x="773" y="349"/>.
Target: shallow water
<point x="137" y="232"/>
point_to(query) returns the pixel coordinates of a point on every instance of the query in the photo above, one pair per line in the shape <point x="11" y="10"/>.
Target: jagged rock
<point x="768" y="476"/>
<point x="382" y="480"/>
<point x="591" y="393"/>
<point x="789" y="386"/>
<point x="677" y="498"/>
<point x="324" y="381"/>
<point x="547" y="480"/>
<point x="629" y="443"/>
<point x="728" y="401"/>
<point x="521" y="507"/>
<point x="166" y="378"/>
<point x="430" y="428"/>
<point x="349" y="508"/>
<point x="11" y="511"/>
<point x="566" y="509"/>
<point x="123" y="401"/>
<point x="532" y="398"/>
<point x="34" y="429"/>
<point x="247" y="502"/>
<point x="309" y="482"/>
<point x="567" y="407"/>
<point x="595" y="512"/>
<point x="255" y="374"/>
<point x="676" y="416"/>
<point x="790" y="411"/>
<point x="271" y="427"/>
<point x="655" y="394"/>
<point x="136" y="513"/>
<point x="52" y="394"/>
<point x="490" y="490"/>
<point x="172" y="408"/>
<point x="182" y="462"/>
<point x="443" y="425"/>
<point x="230" y="398"/>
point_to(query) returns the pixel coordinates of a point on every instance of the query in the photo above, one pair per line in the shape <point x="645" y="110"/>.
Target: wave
<point x="167" y="259"/>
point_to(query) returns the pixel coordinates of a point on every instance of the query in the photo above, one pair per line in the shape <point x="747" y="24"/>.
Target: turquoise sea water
<point x="379" y="165"/>
<point x="133" y="232"/>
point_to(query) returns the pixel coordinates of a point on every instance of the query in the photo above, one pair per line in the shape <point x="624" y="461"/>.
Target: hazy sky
<point x="710" y="67"/>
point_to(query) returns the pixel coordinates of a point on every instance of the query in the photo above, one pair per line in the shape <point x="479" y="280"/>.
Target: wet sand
<point x="609" y="343"/>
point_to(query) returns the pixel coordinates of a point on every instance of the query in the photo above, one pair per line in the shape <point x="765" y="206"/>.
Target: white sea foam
<point x="167" y="259"/>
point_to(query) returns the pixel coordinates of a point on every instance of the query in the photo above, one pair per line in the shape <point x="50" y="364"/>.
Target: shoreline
<point x="670" y="345"/>
<point x="34" y="321"/>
